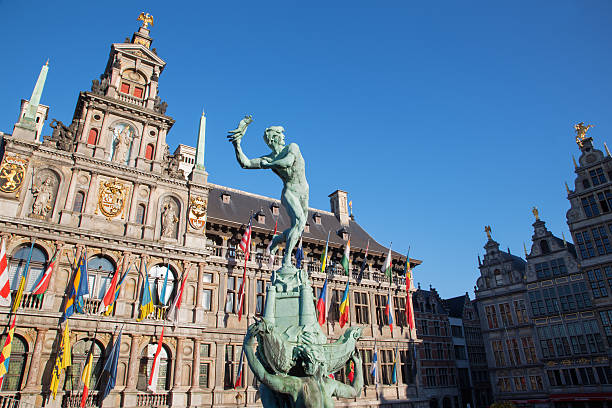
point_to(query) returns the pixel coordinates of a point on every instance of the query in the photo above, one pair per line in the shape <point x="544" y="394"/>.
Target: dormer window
<point x="544" y="246"/>
<point x="260" y="217"/>
<point x="307" y="227"/>
<point x="225" y="197"/>
<point x="317" y="218"/>
<point x="344" y="234"/>
<point x="275" y="209"/>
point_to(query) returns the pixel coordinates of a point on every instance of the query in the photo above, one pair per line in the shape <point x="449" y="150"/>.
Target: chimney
<point x="339" y="206"/>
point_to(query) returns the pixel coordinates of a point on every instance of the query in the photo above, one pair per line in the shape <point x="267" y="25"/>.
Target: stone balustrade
<point x="29" y="301"/>
<point x="153" y="400"/>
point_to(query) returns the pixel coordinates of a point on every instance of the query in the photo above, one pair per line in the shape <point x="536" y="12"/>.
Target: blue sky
<point x="438" y="118"/>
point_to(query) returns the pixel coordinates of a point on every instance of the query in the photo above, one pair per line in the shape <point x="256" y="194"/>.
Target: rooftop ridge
<point x="235" y="190"/>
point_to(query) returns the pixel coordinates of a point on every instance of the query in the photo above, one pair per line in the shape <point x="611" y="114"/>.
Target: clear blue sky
<point x="438" y="118"/>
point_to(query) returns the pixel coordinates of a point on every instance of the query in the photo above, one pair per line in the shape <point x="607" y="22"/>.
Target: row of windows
<point x="563" y="298"/>
<point x="510" y="355"/>
<point x="522" y="383"/>
<point x="92" y="139"/>
<point x="606" y="320"/>
<point x="437" y="351"/>
<point x="598" y="278"/>
<point x="506" y="314"/>
<point x="439" y="377"/>
<point x="406" y="365"/>
<point x="595" y="238"/>
<point x="555" y="267"/>
<point x="432" y="328"/>
<point x="579" y="376"/>
<point x="581" y="337"/>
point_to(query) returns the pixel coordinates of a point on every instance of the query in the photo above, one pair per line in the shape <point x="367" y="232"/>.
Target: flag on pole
<point x="86" y="376"/>
<point x="245" y="245"/>
<point x="162" y="296"/>
<point x="176" y="305"/>
<point x="43" y="284"/>
<point x="238" y="382"/>
<point x="109" y="372"/>
<point x="324" y="254"/>
<point x="364" y="263"/>
<point x="374" y="370"/>
<point x="22" y="281"/>
<point x="5" y="285"/>
<point x="386" y="269"/>
<point x="321" y="304"/>
<point x="79" y="288"/>
<point x="156" y="361"/>
<point x="351" y="374"/>
<point x="146" y="301"/>
<point x="299" y="255"/>
<point x="389" y="310"/>
<point x="346" y="260"/>
<point x="394" y="374"/>
<point x="111" y="306"/>
<point x="344" y="306"/>
<point x="272" y="256"/>
<point x="62" y="360"/>
<point x="109" y="296"/>
<point x="6" y="351"/>
<point x="409" y="287"/>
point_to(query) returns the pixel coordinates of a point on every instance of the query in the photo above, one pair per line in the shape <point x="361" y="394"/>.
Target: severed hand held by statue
<point x="235" y="135"/>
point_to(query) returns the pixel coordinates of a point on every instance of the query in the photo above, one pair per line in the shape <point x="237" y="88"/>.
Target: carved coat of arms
<point x="112" y="197"/>
<point x="12" y="172"/>
<point x="197" y="212"/>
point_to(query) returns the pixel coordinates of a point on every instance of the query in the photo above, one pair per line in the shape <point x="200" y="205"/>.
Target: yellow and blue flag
<point x="78" y="290"/>
<point x="6" y="351"/>
<point x="146" y="302"/>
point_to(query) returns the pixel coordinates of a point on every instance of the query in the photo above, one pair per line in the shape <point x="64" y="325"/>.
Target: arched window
<point x="544" y="246"/>
<point x="38" y="263"/>
<point x="146" y="364"/>
<point x="149" y="150"/>
<point x="140" y="213"/>
<point x="19" y="354"/>
<point x="80" y="350"/>
<point x="93" y="136"/>
<point x="77" y="206"/>
<point x="499" y="279"/>
<point x="100" y="272"/>
<point x="157" y="275"/>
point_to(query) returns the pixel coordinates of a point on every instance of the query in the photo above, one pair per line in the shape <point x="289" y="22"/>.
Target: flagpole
<point x="22" y="281"/>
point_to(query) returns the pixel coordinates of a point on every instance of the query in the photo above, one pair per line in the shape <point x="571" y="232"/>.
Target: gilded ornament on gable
<point x="12" y="172"/>
<point x="112" y="197"/>
<point x="581" y="130"/>
<point x="197" y="212"/>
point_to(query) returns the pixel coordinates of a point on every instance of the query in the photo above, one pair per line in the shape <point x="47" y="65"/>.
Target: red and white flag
<point x="238" y="382"/>
<point x="173" y="311"/>
<point x="245" y="245"/>
<point x="271" y="257"/>
<point x="43" y="284"/>
<point x="109" y="297"/>
<point x="155" y="369"/>
<point x="5" y="286"/>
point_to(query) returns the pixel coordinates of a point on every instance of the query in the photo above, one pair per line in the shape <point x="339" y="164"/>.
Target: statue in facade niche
<point x="43" y="194"/>
<point x="122" y="142"/>
<point x="169" y="219"/>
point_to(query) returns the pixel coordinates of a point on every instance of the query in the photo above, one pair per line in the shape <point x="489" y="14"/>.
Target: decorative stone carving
<point x="99" y="87"/>
<point x="123" y="134"/>
<point x="169" y="219"/>
<point x="63" y="136"/>
<point x="12" y="172"/>
<point x="112" y="197"/>
<point x="160" y="106"/>
<point x="197" y="212"/>
<point x="44" y="194"/>
<point x="172" y="168"/>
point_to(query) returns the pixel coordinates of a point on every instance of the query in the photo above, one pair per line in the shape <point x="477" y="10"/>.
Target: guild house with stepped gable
<point x="547" y="321"/>
<point x="105" y="185"/>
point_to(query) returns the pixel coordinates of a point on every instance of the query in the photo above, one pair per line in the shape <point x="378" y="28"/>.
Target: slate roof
<point x="427" y="294"/>
<point x="242" y="203"/>
<point x="455" y="306"/>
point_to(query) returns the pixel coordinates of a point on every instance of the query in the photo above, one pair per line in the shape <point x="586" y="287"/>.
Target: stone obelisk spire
<point x="27" y="126"/>
<point x="199" y="174"/>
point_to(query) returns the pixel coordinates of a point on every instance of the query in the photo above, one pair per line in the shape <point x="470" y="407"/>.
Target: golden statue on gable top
<point x="581" y="130"/>
<point x="146" y="19"/>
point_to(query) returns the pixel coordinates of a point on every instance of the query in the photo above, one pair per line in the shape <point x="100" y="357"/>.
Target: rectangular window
<point x="504" y="384"/>
<point x="513" y="352"/>
<point x="537" y="303"/>
<point x="542" y="270"/>
<point x="406" y="367"/>
<point x="436" y="328"/>
<point x="206" y="299"/>
<point x="598" y="287"/>
<point x="506" y="315"/>
<point x="558" y="267"/>
<point x="424" y="327"/>
<point x="138" y="92"/>
<point x="521" y="312"/>
<point x="232" y="359"/>
<point x="590" y="206"/>
<point x="428" y="354"/>
<point x="125" y="88"/>
<point x="597" y="176"/>
<point x="261" y="286"/>
<point x="498" y="353"/>
<point x="582" y="296"/>
<point x="520" y="384"/>
<point x="386" y="365"/>
<point x="606" y="321"/>
<point x="231" y="299"/>
<point x="583" y="239"/>
<point x="456" y="331"/>
<point x="460" y="353"/>
<point x="529" y="350"/>
<point x="362" y="309"/>
<point x="400" y="311"/>
<point x="381" y="305"/>
<point x="366" y="362"/>
<point x="492" y="317"/>
<point x="602" y="243"/>
<point x="430" y="375"/>
<point x="334" y="308"/>
<point x="204" y="365"/>
<point x="536" y="382"/>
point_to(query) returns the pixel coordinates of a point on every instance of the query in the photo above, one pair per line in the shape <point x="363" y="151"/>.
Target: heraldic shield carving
<point x="12" y="172"/>
<point x="111" y="198"/>
<point x="197" y="212"/>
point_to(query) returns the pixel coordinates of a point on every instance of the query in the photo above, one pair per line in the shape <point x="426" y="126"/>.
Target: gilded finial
<point x="574" y="160"/>
<point x="47" y="64"/>
<point x="581" y="130"/>
<point x="146" y="19"/>
<point x="488" y="231"/>
<point x="525" y="249"/>
<point x="536" y="213"/>
<point x="567" y="188"/>
<point x="607" y="150"/>
<point x="564" y="241"/>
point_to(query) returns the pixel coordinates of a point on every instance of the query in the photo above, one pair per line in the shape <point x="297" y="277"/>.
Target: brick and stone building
<point x="106" y="187"/>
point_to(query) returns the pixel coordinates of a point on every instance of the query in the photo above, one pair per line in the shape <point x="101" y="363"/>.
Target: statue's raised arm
<point x="287" y="162"/>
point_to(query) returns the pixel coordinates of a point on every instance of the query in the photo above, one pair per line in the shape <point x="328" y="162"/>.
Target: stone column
<point x="224" y="247"/>
<point x="221" y="299"/>
<point x="34" y="372"/>
<point x="199" y="310"/>
<point x="91" y="200"/>
<point x="134" y="363"/>
<point x="195" y="369"/>
<point x="178" y="362"/>
<point x="60" y="245"/>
